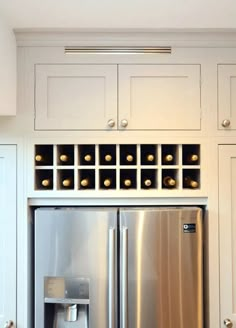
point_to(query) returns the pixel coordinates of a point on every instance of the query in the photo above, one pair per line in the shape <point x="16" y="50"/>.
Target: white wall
<point x="120" y="13"/>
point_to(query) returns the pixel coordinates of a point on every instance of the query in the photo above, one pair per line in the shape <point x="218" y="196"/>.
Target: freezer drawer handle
<point x="111" y="278"/>
<point x="228" y="323"/>
<point x="124" y="277"/>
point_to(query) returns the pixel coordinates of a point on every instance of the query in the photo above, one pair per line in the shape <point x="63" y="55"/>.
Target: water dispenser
<point x="66" y="302"/>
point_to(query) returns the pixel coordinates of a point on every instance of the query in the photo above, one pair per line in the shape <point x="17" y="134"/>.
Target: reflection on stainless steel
<point x="160" y="261"/>
<point x="165" y="268"/>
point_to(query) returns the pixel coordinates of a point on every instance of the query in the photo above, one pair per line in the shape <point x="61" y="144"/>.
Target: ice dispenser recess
<point x="66" y="302"/>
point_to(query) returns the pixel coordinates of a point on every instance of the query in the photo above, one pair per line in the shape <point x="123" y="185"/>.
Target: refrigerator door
<point x="78" y="243"/>
<point x="161" y="268"/>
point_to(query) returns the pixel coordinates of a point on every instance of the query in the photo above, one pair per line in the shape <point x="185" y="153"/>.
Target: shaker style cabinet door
<point x="75" y="97"/>
<point x="227" y="97"/>
<point x="227" y="220"/>
<point x="7" y="235"/>
<point x="159" y="97"/>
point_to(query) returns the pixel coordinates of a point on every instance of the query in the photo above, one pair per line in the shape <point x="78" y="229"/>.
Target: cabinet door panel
<point x="227" y="215"/>
<point x="160" y="97"/>
<point x="227" y="95"/>
<point x="7" y="234"/>
<point x="75" y="97"/>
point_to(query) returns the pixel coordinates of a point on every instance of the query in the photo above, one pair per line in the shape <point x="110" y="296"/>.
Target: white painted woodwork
<point x="7" y="234"/>
<point x="227" y="220"/>
<point x="75" y="97"/>
<point x="160" y="97"/>
<point x="227" y="96"/>
<point x="7" y="70"/>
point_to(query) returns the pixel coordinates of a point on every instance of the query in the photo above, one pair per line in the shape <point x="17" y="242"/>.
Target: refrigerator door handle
<point x="111" y="278"/>
<point x="124" y="278"/>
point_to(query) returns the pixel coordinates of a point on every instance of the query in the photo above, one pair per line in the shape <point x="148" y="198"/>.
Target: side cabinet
<point x="226" y="97"/>
<point x="7" y="235"/>
<point x="227" y="221"/>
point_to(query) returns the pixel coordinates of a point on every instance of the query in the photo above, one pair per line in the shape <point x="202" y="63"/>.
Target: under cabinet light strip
<point x="117" y="50"/>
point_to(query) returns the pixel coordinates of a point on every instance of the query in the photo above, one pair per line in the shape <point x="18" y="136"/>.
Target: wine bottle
<point x="108" y="158"/>
<point x="107" y="182"/>
<point x="127" y="183"/>
<point x="150" y="158"/>
<point x="64" y="158"/>
<point x="84" y="182"/>
<point x="129" y="158"/>
<point x="46" y="183"/>
<point x="168" y="158"/>
<point x="169" y="182"/>
<point x="192" y="158"/>
<point x="190" y="183"/>
<point x="68" y="182"/>
<point x="147" y="182"/>
<point x="39" y="158"/>
<point x="88" y="158"/>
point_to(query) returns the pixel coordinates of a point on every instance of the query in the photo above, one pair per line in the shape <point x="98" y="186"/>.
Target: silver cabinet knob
<point x="111" y="123"/>
<point x="9" y="324"/>
<point x="228" y="323"/>
<point x="225" y="123"/>
<point x="124" y="123"/>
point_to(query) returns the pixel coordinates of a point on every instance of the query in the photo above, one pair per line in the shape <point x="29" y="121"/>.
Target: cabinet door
<point x="160" y="97"/>
<point x="75" y="97"/>
<point x="7" y="234"/>
<point x="227" y="96"/>
<point x="227" y="220"/>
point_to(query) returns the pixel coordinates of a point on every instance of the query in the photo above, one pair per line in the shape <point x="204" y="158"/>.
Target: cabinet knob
<point x="124" y="123"/>
<point x="111" y="123"/>
<point x="225" y="123"/>
<point x="228" y="323"/>
<point x="9" y="324"/>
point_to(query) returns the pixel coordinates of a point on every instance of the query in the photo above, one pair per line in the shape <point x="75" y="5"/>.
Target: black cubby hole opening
<point x="107" y="179"/>
<point x="169" y="154"/>
<point x="86" y="154"/>
<point x="169" y="179"/>
<point x="44" y="179"/>
<point x="128" y="154"/>
<point x="191" y="179"/>
<point x="148" y="154"/>
<point x="148" y="179"/>
<point x="86" y="179"/>
<point x="43" y="155"/>
<point x="107" y="154"/>
<point x="65" y="155"/>
<point x="65" y="179"/>
<point x="128" y="179"/>
<point x="191" y="154"/>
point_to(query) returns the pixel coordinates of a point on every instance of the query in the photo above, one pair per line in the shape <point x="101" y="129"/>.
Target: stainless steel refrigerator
<point x="119" y="267"/>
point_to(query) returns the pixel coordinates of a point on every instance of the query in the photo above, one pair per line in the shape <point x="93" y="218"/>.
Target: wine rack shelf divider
<point x="117" y="167"/>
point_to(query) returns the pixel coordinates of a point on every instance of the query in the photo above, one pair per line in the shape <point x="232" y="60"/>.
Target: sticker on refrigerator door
<point x="189" y="227"/>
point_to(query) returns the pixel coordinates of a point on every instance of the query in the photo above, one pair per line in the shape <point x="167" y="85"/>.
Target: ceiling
<point x="143" y="14"/>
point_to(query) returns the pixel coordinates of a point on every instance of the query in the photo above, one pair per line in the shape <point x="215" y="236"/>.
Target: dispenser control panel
<point x="66" y="290"/>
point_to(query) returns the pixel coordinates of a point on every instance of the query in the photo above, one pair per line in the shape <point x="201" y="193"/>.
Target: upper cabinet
<point x="160" y="97"/>
<point x="8" y="71"/>
<point x="123" y="97"/>
<point x="227" y="97"/>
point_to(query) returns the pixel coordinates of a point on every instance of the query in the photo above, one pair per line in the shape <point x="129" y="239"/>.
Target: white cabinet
<point x="7" y="234"/>
<point x="8" y="71"/>
<point x="160" y="97"/>
<point x="227" y="97"/>
<point x="130" y="97"/>
<point x="75" y="97"/>
<point x="227" y="220"/>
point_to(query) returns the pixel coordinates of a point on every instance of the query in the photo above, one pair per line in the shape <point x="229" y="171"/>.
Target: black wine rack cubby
<point x="98" y="167"/>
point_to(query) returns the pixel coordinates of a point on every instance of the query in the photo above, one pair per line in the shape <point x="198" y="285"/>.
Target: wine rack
<point x="117" y="167"/>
